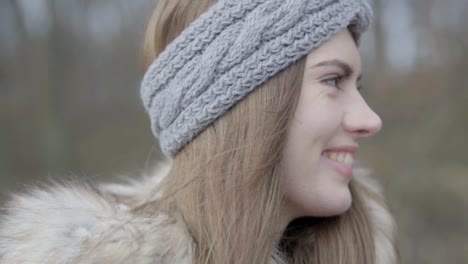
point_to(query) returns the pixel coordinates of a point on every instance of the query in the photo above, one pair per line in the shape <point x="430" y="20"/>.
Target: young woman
<point x="257" y="106"/>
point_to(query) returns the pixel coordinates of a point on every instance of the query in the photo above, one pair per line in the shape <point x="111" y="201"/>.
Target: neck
<point x="288" y="214"/>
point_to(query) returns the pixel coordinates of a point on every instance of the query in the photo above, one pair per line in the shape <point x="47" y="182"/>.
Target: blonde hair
<point x="226" y="183"/>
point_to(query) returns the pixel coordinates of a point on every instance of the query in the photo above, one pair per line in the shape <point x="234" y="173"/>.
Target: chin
<point x="338" y="205"/>
<point x="345" y="205"/>
<point x="341" y="205"/>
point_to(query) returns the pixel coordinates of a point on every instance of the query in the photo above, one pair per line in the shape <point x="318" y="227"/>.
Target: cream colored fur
<point x="90" y="224"/>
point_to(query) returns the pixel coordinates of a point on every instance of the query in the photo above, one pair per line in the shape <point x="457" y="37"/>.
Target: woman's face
<point x="331" y="113"/>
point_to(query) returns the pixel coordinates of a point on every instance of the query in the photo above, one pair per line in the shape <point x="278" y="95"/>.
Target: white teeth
<point x="349" y="159"/>
<point x="343" y="157"/>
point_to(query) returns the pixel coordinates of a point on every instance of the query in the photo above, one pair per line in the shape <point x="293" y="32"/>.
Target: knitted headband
<point x="231" y="49"/>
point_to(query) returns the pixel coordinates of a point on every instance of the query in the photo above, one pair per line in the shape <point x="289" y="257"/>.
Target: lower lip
<point x="342" y="168"/>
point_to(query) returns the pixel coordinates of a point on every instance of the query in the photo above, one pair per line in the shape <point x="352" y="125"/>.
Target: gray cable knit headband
<point x="229" y="51"/>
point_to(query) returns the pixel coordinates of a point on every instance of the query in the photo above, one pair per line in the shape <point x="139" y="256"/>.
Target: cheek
<point x="316" y="115"/>
<point x="310" y="187"/>
<point x="309" y="132"/>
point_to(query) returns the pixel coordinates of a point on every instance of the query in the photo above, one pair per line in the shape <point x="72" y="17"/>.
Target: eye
<point x="333" y="81"/>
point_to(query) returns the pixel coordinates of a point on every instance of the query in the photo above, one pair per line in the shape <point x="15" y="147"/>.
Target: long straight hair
<point x="226" y="183"/>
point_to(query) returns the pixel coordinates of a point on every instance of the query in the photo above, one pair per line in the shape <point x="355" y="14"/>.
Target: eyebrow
<point x="348" y="70"/>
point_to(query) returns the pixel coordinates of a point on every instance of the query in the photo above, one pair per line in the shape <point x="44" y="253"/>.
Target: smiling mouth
<point x="343" y="157"/>
<point x="340" y="162"/>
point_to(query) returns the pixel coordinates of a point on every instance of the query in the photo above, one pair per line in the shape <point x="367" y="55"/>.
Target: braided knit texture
<point x="228" y="51"/>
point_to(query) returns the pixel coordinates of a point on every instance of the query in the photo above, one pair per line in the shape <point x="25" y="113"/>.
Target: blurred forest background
<point x="69" y="105"/>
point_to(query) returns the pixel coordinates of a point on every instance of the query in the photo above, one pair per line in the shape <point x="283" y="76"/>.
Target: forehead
<point x="341" y="46"/>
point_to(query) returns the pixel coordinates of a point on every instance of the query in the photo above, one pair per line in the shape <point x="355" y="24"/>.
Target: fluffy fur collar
<point x="86" y="223"/>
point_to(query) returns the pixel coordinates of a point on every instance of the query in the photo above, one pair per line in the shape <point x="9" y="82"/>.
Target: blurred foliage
<point x="69" y="104"/>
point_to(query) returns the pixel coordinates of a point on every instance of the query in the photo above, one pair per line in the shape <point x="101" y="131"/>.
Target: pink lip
<point x="345" y="148"/>
<point x="341" y="168"/>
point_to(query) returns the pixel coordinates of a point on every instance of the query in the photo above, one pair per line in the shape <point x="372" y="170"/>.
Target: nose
<point x="360" y="120"/>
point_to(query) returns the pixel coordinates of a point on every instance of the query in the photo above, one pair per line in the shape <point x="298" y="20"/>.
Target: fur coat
<point x="71" y="223"/>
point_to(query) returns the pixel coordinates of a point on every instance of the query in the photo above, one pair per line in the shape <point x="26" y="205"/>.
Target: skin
<point x="330" y="112"/>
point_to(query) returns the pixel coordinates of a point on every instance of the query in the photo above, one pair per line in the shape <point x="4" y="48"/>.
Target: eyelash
<point x="337" y="79"/>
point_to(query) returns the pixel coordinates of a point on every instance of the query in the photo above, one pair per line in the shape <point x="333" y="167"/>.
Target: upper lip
<point x="344" y="148"/>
